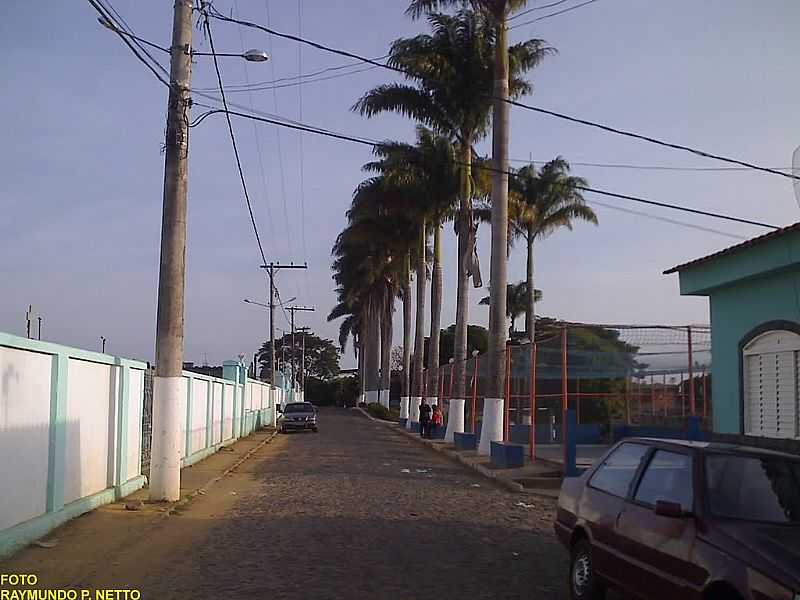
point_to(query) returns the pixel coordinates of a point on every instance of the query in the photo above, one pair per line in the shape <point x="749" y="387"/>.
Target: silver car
<point x="298" y="416"/>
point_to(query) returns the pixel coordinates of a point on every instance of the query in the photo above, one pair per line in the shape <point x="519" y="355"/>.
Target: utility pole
<point x="165" y="465"/>
<point x="292" y="310"/>
<point x="28" y="316"/>
<point x="40" y="327"/>
<point x="271" y="270"/>
<point x="303" y="358"/>
<point x="103" y="342"/>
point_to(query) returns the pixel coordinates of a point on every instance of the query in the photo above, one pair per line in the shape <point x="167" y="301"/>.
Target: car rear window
<point x="614" y="476"/>
<point x="293" y="408"/>
<point x="754" y="488"/>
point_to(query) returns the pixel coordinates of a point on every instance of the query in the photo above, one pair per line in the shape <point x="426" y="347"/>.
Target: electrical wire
<point x="644" y="167"/>
<point x="267" y="86"/>
<point x="373" y="143"/>
<point x="293" y="78"/>
<point x="217" y="15"/>
<point x="133" y="48"/>
<point x="257" y="135"/>
<point x="554" y="14"/>
<point x="667" y="220"/>
<point x="279" y="143"/>
<point x="535" y="8"/>
<point x="207" y="26"/>
<point x="301" y="159"/>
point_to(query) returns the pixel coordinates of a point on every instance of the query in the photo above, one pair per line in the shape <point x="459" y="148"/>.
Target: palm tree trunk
<point x="530" y="313"/>
<point x="455" y="413"/>
<point x="436" y="317"/>
<point x="419" y="330"/>
<point x="371" y="358"/>
<point x="386" y="349"/>
<point x="492" y="425"/>
<point x="406" y="386"/>
<point x="361" y="374"/>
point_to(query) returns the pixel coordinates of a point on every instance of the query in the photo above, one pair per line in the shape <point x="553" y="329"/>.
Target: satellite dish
<point x="796" y="173"/>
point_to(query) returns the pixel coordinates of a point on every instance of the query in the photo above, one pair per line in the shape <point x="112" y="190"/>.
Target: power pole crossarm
<point x="271" y="269"/>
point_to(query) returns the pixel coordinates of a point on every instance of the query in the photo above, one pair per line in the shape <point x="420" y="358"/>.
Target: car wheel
<point x="583" y="583"/>
<point x="315" y="430"/>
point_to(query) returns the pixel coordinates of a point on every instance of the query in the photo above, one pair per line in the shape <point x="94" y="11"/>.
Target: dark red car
<point x="675" y="520"/>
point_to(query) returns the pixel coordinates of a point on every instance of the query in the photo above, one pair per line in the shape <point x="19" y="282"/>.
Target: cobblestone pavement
<point x="357" y="511"/>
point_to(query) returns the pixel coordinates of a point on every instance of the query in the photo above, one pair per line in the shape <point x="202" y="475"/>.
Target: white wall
<point x="24" y="434"/>
<point x="91" y="395"/>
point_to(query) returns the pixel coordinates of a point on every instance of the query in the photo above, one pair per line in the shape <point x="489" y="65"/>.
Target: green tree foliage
<point x="322" y="356"/>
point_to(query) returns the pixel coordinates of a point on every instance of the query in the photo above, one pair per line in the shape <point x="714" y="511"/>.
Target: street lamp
<point x="252" y="55"/>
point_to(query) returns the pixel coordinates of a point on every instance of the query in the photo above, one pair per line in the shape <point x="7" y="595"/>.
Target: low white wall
<point x="70" y="420"/>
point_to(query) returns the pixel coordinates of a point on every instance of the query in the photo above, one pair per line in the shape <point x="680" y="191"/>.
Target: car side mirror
<point x="279" y="407"/>
<point x="672" y="510"/>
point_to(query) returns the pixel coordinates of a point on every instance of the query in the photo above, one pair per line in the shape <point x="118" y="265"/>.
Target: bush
<point x="379" y="411"/>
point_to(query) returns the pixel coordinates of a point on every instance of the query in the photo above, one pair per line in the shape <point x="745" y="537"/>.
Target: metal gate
<point x="147" y="421"/>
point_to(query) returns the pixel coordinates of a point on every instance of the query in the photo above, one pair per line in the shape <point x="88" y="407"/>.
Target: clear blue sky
<point x="81" y="167"/>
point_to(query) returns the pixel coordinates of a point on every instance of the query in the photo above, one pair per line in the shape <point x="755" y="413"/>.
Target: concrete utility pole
<point x="271" y="269"/>
<point x="303" y="358"/>
<point x="40" y="327"/>
<point x="292" y="310"/>
<point x="165" y="464"/>
<point x="103" y="342"/>
<point x="28" y="316"/>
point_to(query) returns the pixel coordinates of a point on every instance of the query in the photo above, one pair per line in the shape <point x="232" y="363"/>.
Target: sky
<point x="81" y="168"/>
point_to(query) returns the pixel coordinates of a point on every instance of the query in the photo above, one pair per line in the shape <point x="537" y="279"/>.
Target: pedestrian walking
<point x="437" y="419"/>
<point x="424" y="419"/>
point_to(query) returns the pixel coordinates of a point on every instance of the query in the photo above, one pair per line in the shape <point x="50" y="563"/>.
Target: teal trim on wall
<point x="57" y="447"/>
<point x="23" y="534"/>
<point x="735" y="311"/>
<point x="123" y="408"/>
<point x="769" y="257"/>
<point x="13" y="341"/>
<point x="209" y="412"/>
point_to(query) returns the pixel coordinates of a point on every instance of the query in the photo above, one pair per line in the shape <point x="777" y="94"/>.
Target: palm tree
<point x="517" y="301"/>
<point x="497" y="11"/>
<point x="543" y="202"/>
<point x="451" y="73"/>
<point x="429" y="172"/>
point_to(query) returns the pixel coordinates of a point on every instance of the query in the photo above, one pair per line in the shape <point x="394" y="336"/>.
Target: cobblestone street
<point x="355" y="511"/>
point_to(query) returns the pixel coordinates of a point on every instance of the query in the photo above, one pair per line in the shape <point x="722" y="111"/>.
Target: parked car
<point x="663" y="519"/>
<point x="298" y="416"/>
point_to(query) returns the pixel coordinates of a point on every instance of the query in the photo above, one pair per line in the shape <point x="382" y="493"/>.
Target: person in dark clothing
<point x="424" y="419"/>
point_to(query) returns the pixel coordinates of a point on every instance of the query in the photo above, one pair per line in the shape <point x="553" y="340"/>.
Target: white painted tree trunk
<point x="492" y="425"/>
<point x="455" y="419"/>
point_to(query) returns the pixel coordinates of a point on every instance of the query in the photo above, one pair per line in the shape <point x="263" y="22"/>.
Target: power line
<point x="373" y="143"/>
<point x="294" y="78"/>
<point x="207" y="26"/>
<point x="317" y="45"/>
<point x="666" y="220"/>
<point x="645" y="167"/>
<point x="650" y="139"/>
<point x="282" y="170"/>
<point x="301" y="158"/>
<point x="278" y="86"/>
<point x="257" y="135"/>
<point x="135" y="49"/>
<point x="554" y="14"/>
<point x="535" y="8"/>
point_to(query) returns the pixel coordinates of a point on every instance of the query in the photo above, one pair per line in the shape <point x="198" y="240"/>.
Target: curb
<point x="512" y="486"/>
<point x="204" y="488"/>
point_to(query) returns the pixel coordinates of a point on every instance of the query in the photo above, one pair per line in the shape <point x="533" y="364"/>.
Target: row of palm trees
<point x="457" y="80"/>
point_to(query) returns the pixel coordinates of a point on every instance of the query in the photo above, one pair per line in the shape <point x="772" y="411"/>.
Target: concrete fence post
<point x="58" y="433"/>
